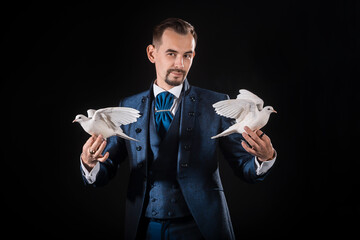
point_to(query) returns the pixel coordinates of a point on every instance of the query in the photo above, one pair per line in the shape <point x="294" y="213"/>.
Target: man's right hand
<point x="91" y="152"/>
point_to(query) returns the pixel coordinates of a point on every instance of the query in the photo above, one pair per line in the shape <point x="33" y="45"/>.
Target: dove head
<point x="269" y="110"/>
<point x="80" y="118"/>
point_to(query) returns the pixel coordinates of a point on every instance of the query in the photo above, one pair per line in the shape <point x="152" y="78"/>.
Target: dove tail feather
<point x="123" y="135"/>
<point x="225" y="133"/>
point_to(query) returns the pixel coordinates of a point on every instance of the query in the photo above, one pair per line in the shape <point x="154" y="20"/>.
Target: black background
<point x="300" y="57"/>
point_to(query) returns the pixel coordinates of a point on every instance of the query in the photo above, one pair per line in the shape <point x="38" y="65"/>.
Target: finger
<point x="263" y="136"/>
<point x="252" y="134"/>
<point x="97" y="143"/>
<point x="100" y="149"/>
<point x="250" y="140"/>
<point x="247" y="148"/>
<point x="103" y="158"/>
<point x="259" y="133"/>
<point x="89" y="142"/>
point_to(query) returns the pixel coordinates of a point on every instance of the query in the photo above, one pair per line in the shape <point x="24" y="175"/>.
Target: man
<point x="175" y="191"/>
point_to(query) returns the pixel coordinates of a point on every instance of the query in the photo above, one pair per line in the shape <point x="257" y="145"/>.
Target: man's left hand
<point x="261" y="146"/>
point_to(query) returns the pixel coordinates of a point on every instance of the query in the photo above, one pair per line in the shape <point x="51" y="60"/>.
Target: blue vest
<point x="165" y="199"/>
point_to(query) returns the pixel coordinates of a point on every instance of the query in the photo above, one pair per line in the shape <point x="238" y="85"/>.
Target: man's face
<point x="173" y="57"/>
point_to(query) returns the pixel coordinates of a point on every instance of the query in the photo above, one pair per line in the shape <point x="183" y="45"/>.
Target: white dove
<point x="247" y="109"/>
<point x="107" y="121"/>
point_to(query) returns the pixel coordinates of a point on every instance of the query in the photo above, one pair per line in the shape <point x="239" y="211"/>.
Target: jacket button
<point x="153" y="212"/>
<point x="138" y="130"/>
<point x="138" y="148"/>
<point x="187" y="147"/>
<point x="140" y="165"/>
<point x="184" y="165"/>
<point x="143" y="99"/>
<point x="192" y="99"/>
<point x="189" y="129"/>
<point x="191" y="114"/>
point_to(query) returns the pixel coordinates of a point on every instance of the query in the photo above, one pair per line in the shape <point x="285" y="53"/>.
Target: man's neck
<point x="163" y="85"/>
<point x="175" y="90"/>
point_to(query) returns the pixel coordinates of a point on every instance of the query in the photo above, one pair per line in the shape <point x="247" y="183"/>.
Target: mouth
<point x="178" y="74"/>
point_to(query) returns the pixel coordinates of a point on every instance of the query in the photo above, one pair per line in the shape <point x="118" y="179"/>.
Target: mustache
<point x="176" y="70"/>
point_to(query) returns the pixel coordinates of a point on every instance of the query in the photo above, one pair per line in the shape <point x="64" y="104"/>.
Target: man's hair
<point x="178" y="25"/>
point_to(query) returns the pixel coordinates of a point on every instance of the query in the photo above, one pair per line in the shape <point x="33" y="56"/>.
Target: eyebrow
<point x="174" y="51"/>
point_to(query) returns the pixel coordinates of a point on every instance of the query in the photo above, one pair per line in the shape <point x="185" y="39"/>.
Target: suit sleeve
<point x="242" y="162"/>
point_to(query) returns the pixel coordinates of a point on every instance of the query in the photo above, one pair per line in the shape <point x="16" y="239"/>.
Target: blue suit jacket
<point x="197" y="162"/>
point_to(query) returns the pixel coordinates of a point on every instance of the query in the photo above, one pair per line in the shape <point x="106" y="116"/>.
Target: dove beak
<point x="74" y="121"/>
<point x="274" y="111"/>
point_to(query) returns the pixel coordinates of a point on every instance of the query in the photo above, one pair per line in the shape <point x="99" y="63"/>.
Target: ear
<point x="150" y="50"/>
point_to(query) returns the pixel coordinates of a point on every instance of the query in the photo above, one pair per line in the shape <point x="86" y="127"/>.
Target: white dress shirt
<point x="176" y="91"/>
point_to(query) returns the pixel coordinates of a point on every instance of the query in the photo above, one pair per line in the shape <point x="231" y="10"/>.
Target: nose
<point x="179" y="62"/>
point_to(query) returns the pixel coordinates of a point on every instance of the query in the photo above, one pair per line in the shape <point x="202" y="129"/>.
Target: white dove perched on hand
<point x="247" y="109"/>
<point x="107" y="121"/>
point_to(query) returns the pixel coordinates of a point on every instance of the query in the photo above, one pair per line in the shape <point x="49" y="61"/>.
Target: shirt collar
<point x="176" y="91"/>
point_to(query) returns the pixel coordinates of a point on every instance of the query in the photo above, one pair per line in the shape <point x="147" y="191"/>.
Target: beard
<point x="176" y="81"/>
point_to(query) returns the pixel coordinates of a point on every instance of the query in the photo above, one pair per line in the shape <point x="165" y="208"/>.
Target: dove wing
<point x="233" y="108"/>
<point x="107" y="120"/>
<point x="91" y="113"/>
<point x="117" y="116"/>
<point x="249" y="96"/>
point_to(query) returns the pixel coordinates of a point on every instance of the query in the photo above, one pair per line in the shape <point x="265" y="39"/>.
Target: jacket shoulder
<point x="209" y="94"/>
<point x="134" y="99"/>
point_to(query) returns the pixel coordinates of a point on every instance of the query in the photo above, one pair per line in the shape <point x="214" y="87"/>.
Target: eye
<point x="171" y="54"/>
<point x="187" y="56"/>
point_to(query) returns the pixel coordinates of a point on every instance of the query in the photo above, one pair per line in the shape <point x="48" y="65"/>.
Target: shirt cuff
<point x="264" y="166"/>
<point x="90" y="176"/>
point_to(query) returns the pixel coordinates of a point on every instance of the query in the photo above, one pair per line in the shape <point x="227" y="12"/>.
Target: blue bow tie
<point x="163" y="116"/>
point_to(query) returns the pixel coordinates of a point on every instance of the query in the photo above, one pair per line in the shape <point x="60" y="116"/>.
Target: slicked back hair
<point x="178" y="25"/>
